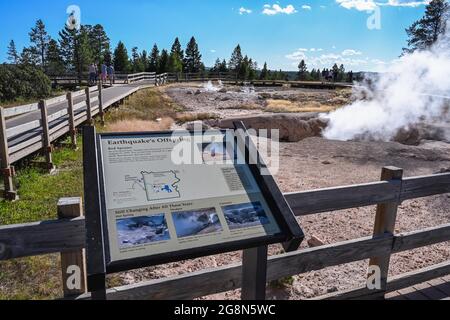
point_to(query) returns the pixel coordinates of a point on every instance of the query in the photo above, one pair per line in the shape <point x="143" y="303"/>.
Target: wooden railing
<point x="68" y="237"/>
<point x="45" y="125"/>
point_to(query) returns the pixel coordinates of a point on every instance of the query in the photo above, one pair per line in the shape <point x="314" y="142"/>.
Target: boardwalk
<point x="110" y="96"/>
<point x="437" y="289"/>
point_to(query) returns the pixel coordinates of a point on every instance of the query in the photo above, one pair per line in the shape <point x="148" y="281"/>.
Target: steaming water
<point x="416" y="89"/>
<point x="210" y="87"/>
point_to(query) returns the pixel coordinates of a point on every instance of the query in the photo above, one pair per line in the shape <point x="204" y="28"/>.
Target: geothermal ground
<point x="314" y="162"/>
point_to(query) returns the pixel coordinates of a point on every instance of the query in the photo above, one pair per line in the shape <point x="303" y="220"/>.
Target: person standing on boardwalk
<point x="104" y="72"/>
<point x="111" y="74"/>
<point x="92" y="73"/>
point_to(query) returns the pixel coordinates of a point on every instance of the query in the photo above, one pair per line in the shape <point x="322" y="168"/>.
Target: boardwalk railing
<point x="67" y="235"/>
<point x="232" y="78"/>
<point x="27" y="129"/>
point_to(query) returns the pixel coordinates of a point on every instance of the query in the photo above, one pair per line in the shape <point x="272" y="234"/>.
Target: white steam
<point x="416" y="89"/>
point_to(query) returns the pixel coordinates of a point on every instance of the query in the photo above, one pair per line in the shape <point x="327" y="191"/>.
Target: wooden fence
<point x="36" y="133"/>
<point x="232" y="78"/>
<point x="67" y="235"/>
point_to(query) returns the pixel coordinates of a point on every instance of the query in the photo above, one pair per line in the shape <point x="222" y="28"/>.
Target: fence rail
<point x="27" y="129"/>
<point x="68" y="235"/>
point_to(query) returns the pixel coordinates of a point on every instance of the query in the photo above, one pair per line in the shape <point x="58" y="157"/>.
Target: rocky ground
<point x="314" y="163"/>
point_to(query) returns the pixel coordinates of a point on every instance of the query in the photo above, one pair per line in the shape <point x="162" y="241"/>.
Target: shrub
<point x="23" y="82"/>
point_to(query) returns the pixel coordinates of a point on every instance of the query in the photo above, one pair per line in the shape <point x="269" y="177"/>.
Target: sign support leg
<point x="254" y="273"/>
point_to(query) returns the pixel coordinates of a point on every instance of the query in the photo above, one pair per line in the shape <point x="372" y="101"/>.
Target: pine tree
<point x="136" y="61"/>
<point x="107" y="58"/>
<point x="55" y="62"/>
<point x="216" y="67"/>
<point x="341" y="76"/>
<point x="29" y="57"/>
<point x="425" y="32"/>
<point x="176" y="49"/>
<point x="13" y="55"/>
<point x="154" y="59"/>
<point x="236" y="59"/>
<point x="75" y="50"/>
<point x="193" y="58"/>
<point x="39" y="39"/>
<point x="335" y="72"/>
<point x="163" y="62"/>
<point x="223" y="66"/>
<point x="121" y="61"/>
<point x="302" y="71"/>
<point x="144" y="59"/>
<point x="264" y="73"/>
<point x="99" y="42"/>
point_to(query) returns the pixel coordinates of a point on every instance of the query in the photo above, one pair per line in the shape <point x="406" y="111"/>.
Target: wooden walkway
<point x="438" y="289"/>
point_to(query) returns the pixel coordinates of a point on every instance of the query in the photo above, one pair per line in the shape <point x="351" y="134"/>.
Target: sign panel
<point x="172" y="192"/>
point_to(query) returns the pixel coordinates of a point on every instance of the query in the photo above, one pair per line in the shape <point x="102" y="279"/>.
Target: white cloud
<point x="277" y="9"/>
<point x="351" y="59"/>
<point x="243" y="11"/>
<point x="369" y="5"/>
<point x="351" y="52"/>
<point x="306" y="7"/>
<point x="212" y="51"/>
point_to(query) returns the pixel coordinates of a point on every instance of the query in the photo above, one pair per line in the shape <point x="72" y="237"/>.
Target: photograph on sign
<point x="156" y="204"/>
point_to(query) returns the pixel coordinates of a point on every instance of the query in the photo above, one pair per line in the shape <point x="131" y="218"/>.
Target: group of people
<point x="106" y="73"/>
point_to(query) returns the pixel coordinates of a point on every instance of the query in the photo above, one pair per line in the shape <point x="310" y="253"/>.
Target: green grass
<point x="39" y="192"/>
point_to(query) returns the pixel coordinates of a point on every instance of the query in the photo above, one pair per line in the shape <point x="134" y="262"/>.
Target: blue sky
<point x="280" y="32"/>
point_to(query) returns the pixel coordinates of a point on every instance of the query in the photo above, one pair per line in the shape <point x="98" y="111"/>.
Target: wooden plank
<point x="385" y="219"/>
<point x="441" y="285"/>
<point x="46" y="141"/>
<point x="338" y="198"/>
<point x="56" y="100"/>
<point x="17" y="130"/>
<point x="25" y="144"/>
<point x="211" y="281"/>
<point x="254" y="273"/>
<point x="88" y="107"/>
<point x="73" y="263"/>
<point x="57" y="115"/>
<point x="9" y="192"/>
<point x="38" y="238"/>
<point x="412" y="294"/>
<point x="15" y="111"/>
<point x="417" y="239"/>
<point x="429" y="291"/>
<point x="418" y="276"/>
<point x="72" y="125"/>
<point x="425" y="186"/>
<point x="26" y="151"/>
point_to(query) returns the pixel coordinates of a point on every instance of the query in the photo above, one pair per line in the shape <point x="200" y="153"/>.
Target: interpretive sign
<point x="169" y="196"/>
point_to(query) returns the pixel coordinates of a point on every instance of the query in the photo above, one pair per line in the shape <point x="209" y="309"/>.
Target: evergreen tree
<point x="264" y="73"/>
<point x="335" y="72"/>
<point x="193" y="58"/>
<point x="13" y="55"/>
<point x="302" y="71"/>
<point x="121" y="60"/>
<point x="154" y="59"/>
<point x="236" y="59"/>
<point x="223" y="66"/>
<point x="29" y="57"/>
<point x="176" y="57"/>
<point x="107" y="57"/>
<point x="217" y="66"/>
<point x="341" y="75"/>
<point x="99" y="43"/>
<point x="144" y="59"/>
<point x="425" y="32"/>
<point x="55" y="62"/>
<point x="163" y="62"/>
<point x="136" y="61"/>
<point x="39" y="39"/>
<point x="75" y="50"/>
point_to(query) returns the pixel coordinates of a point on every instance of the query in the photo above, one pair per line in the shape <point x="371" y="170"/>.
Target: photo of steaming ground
<point x="196" y="222"/>
<point x="142" y="230"/>
<point x="245" y="215"/>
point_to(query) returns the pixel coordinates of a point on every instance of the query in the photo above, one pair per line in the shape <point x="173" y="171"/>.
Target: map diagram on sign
<point x="160" y="185"/>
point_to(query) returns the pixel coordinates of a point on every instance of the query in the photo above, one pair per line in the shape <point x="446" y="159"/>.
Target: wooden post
<point x="89" y="107"/>
<point x="46" y="136"/>
<point x="385" y="224"/>
<point x="100" y="104"/>
<point x="72" y="126"/>
<point x="73" y="263"/>
<point x="9" y="192"/>
<point x="254" y="273"/>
